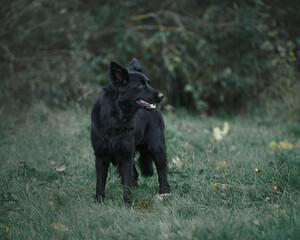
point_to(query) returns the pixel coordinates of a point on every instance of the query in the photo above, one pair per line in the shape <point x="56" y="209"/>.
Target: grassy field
<point x="234" y="188"/>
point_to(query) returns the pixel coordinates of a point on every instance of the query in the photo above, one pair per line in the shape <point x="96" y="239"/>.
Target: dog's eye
<point x="141" y="85"/>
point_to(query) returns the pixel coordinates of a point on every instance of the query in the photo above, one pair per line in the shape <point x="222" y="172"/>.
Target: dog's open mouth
<point x="146" y="104"/>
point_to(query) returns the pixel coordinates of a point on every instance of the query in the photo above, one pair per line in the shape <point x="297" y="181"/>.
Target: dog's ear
<point x="119" y="76"/>
<point x="135" y="66"/>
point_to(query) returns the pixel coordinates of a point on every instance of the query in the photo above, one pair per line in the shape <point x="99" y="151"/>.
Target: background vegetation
<point x="206" y="56"/>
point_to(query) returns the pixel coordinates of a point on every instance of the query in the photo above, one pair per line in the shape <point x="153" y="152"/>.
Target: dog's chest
<point x="118" y="139"/>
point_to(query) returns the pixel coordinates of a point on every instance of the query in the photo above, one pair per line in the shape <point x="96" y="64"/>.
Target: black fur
<point x="122" y="125"/>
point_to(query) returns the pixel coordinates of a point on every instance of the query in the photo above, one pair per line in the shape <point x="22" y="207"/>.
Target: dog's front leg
<point x="102" y="165"/>
<point x="135" y="177"/>
<point x="126" y="172"/>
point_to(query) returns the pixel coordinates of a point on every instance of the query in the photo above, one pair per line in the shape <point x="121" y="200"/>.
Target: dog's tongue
<point x="149" y="105"/>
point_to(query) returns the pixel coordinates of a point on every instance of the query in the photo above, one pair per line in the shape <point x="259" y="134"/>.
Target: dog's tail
<point x="146" y="165"/>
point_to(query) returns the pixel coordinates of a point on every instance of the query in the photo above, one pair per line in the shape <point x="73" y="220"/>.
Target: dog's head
<point x="134" y="86"/>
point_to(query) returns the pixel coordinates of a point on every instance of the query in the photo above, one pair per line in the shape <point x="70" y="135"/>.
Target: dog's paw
<point x="99" y="199"/>
<point x="164" y="189"/>
<point x="135" y="183"/>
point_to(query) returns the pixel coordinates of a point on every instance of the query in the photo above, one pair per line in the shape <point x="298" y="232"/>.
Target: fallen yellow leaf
<point x="222" y="164"/>
<point x="176" y="162"/>
<point x="281" y="145"/>
<point x="222" y="187"/>
<point x="285" y="145"/>
<point x="273" y="145"/>
<point x="143" y="205"/>
<point x="59" y="226"/>
<point x="60" y="168"/>
<point x="225" y="129"/>
<point x="218" y="134"/>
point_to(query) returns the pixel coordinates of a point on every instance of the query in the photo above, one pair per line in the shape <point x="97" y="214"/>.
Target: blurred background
<point x="218" y="56"/>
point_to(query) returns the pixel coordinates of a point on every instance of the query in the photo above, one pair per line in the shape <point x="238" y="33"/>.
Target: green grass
<point x="33" y="195"/>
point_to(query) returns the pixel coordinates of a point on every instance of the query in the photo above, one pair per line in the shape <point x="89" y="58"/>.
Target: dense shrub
<point x="204" y="56"/>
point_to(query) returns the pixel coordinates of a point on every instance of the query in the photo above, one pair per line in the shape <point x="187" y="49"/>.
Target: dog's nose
<point x="160" y="96"/>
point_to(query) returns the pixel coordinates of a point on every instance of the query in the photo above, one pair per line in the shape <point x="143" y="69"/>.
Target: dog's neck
<point x="128" y="112"/>
<point x="122" y="111"/>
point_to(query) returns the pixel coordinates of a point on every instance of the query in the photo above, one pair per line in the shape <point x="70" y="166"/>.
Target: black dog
<point x="125" y="120"/>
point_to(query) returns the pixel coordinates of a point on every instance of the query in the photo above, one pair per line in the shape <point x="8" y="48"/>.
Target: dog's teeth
<point x="149" y="105"/>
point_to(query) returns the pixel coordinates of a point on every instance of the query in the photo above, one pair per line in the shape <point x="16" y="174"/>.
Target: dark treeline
<point x="204" y="55"/>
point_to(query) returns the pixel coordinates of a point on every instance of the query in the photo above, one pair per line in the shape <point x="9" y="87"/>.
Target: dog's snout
<point x="160" y="96"/>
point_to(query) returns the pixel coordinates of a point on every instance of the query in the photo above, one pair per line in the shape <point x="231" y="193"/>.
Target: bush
<point x="203" y="56"/>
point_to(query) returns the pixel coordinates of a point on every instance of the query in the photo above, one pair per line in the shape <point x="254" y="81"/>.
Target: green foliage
<point x="203" y="56"/>
<point x="209" y="200"/>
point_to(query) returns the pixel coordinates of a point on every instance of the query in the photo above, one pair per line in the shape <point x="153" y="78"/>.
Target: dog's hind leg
<point x="102" y="165"/>
<point x="135" y="177"/>
<point x="160" y="160"/>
